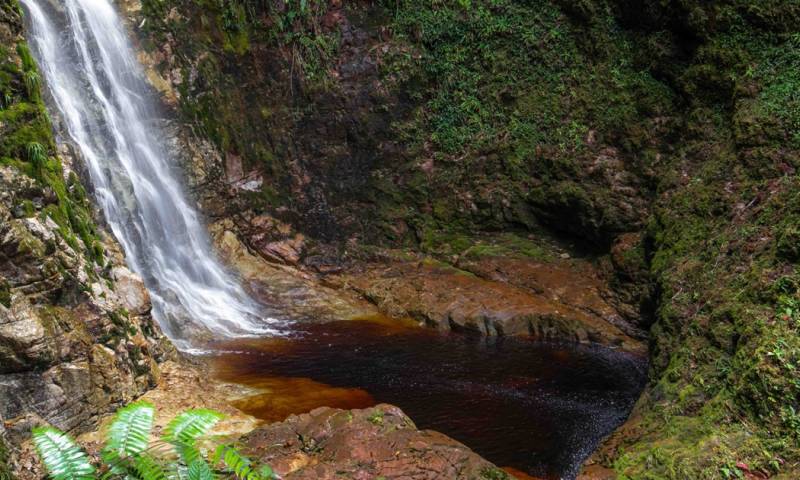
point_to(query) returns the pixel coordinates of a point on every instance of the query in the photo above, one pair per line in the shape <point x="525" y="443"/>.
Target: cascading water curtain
<point x="97" y="87"/>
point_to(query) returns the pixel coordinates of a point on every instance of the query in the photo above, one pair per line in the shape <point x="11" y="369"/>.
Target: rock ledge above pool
<point x="377" y="442"/>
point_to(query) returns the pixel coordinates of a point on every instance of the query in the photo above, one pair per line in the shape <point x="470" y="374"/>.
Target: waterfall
<point x="108" y="110"/>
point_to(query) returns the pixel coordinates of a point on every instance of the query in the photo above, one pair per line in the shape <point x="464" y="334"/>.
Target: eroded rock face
<point x="378" y="442"/>
<point x="564" y="299"/>
<point x="500" y="296"/>
<point x="73" y="342"/>
<point x="295" y="294"/>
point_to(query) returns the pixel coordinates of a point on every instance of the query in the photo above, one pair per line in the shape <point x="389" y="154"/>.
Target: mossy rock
<point x="788" y="246"/>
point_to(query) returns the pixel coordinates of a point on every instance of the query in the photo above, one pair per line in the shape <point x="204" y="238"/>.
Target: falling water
<point x="97" y="86"/>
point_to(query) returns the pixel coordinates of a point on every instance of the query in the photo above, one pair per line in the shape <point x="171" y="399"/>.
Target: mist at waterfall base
<point x="108" y="111"/>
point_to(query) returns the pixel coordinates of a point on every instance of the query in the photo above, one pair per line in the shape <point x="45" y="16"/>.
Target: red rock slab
<point x="449" y="298"/>
<point x="378" y="442"/>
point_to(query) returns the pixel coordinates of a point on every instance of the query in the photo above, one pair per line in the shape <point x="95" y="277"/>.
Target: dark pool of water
<point x="538" y="407"/>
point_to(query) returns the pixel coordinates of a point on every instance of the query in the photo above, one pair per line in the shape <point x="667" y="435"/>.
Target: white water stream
<point x="98" y="89"/>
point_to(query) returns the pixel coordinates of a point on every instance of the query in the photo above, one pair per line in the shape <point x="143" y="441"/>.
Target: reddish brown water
<point x="537" y="407"/>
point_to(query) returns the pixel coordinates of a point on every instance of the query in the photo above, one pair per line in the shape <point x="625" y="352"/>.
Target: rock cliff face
<point x="329" y="168"/>
<point x="339" y="108"/>
<point x="662" y="136"/>
<point x="76" y="336"/>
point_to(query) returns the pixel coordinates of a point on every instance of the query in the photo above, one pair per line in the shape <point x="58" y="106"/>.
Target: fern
<point x="199" y="470"/>
<point x="129" y="454"/>
<point x="235" y="461"/>
<point x="62" y="457"/>
<point x="186" y="427"/>
<point x="129" y="433"/>
<point x="266" y="473"/>
<point x="183" y="431"/>
<point x="147" y="467"/>
<point x="188" y="453"/>
<point x="158" y="462"/>
<point x="240" y="465"/>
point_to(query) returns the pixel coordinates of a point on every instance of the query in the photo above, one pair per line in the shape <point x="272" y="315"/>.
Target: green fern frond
<point x="237" y="463"/>
<point x="147" y="467"/>
<point x="188" y="453"/>
<point x="129" y="433"/>
<point x="241" y="466"/>
<point x="266" y="473"/>
<point x="157" y="462"/>
<point x="199" y="470"/>
<point x="62" y="457"/>
<point x="190" y="425"/>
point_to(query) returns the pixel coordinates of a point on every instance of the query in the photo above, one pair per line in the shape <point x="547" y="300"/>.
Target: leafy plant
<point x="129" y="434"/>
<point x="31" y="78"/>
<point x="184" y="430"/>
<point x="129" y="452"/>
<point x="240" y="465"/>
<point x="37" y="155"/>
<point x="62" y="457"/>
<point x="25" y="55"/>
<point x="190" y="425"/>
<point x="6" y="100"/>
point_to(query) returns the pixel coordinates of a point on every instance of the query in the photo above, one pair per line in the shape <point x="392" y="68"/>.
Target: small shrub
<point x="37" y="155"/>
<point x="32" y="82"/>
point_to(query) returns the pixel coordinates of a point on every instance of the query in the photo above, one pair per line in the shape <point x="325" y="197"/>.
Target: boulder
<point x="377" y="442"/>
<point x="132" y="293"/>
